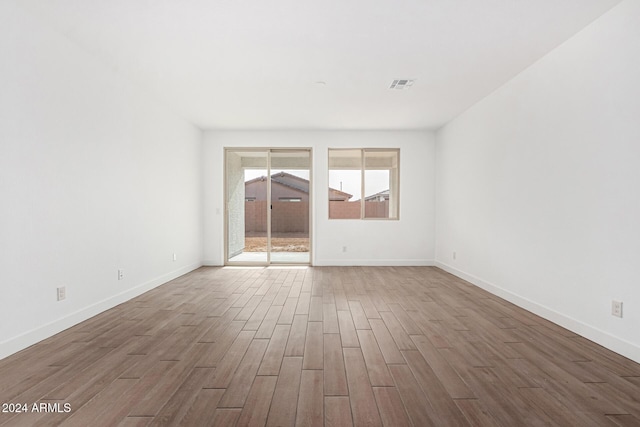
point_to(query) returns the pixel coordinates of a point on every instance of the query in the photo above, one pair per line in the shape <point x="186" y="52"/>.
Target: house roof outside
<point x="300" y="184"/>
<point x="380" y="196"/>
<point x="292" y="181"/>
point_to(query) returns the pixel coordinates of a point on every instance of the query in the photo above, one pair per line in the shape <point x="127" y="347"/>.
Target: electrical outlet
<point x="120" y="274"/>
<point x="344" y="249"/>
<point x="62" y="293"/>
<point x="175" y="256"/>
<point x="616" y="308"/>
<point x="454" y="255"/>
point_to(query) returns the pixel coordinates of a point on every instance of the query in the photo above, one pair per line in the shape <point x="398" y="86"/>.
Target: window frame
<point x="363" y="168"/>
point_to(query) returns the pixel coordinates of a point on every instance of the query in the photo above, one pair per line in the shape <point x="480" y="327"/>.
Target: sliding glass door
<point x="290" y="206"/>
<point x="246" y="213"/>
<point x="267" y="206"/>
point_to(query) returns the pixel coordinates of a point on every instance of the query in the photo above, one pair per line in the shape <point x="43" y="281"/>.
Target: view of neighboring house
<point x="382" y="196"/>
<point x="285" y="187"/>
<point x="339" y="196"/>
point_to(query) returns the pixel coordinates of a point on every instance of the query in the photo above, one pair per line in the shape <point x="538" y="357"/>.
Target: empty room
<point x="338" y="213"/>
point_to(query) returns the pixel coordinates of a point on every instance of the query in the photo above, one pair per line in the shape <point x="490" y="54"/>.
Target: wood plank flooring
<point x="332" y="346"/>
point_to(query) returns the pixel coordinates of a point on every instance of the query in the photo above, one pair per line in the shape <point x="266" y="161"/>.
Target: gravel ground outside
<point x="278" y="244"/>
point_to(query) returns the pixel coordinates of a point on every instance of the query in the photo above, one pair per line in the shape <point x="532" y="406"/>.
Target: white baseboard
<point x="613" y="343"/>
<point x="374" y="262"/>
<point x="356" y="263"/>
<point x="211" y="263"/>
<point x="15" y="344"/>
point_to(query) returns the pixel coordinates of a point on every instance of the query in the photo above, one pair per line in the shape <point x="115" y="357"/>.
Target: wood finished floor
<point x="333" y="346"/>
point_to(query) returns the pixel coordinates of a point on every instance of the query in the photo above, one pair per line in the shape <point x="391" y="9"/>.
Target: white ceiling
<point x="254" y="64"/>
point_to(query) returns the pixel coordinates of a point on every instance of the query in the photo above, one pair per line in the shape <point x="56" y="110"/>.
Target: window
<point x="363" y="183"/>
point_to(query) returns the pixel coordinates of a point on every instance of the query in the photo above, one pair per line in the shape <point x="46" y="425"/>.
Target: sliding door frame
<point x="268" y="151"/>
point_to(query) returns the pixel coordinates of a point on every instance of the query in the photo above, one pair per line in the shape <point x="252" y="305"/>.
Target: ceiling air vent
<point x="401" y="84"/>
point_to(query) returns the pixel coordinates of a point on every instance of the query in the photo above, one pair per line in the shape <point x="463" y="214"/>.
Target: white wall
<point x="93" y="177"/>
<point x="538" y="185"/>
<point x="409" y="241"/>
